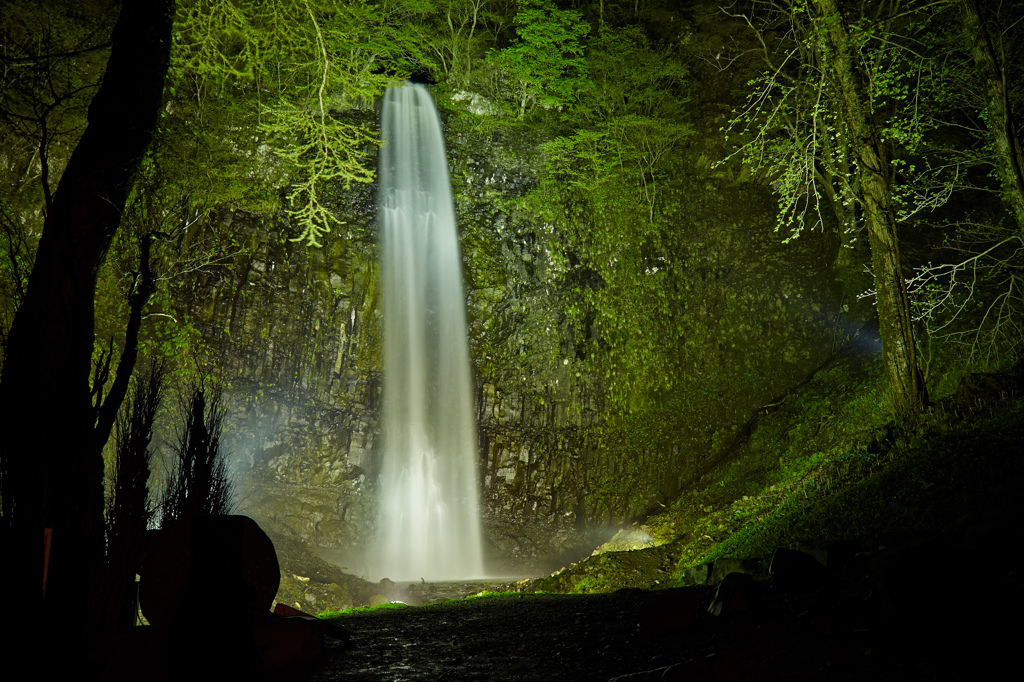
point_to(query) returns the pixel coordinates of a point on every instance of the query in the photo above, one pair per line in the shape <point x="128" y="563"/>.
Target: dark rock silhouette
<point x="206" y="588"/>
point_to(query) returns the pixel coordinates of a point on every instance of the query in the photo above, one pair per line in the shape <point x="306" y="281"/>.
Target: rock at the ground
<point x="696" y="575"/>
<point x="726" y="565"/>
<point x="288" y="642"/>
<point x="735" y="595"/>
<point x="206" y="588"/>
<point x="329" y="629"/>
<point x="222" y="562"/>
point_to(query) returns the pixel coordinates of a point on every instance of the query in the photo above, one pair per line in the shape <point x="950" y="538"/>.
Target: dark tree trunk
<point x="143" y="289"/>
<point x="899" y="352"/>
<point x="51" y="467"/>
<point x="1009" y="155"/>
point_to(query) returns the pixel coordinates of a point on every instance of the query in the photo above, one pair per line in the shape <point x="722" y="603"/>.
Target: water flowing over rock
<point x="428" y="523"/>
<point x="296" y="335"/>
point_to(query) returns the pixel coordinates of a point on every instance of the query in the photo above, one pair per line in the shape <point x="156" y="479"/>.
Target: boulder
<point x="207" y="584"/>
<point x="696" y="575"/>
<point x="726" y="565"/>
<point x="735" y="595"/>
<point x="222" y="562"/>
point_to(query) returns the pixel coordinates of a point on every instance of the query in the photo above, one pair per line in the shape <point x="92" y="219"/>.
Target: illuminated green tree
<point x="817" y="124"/>
<point x="545" y="66"/>
<point x="303" y="71"/>
<point x="601" y="187"/>
<point x="924" y="82"/>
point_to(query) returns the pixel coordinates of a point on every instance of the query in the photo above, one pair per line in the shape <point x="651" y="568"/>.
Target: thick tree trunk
<point x="52" y="470"/>
<point x="1009" y="156"/>
<point x="899" y="353"/>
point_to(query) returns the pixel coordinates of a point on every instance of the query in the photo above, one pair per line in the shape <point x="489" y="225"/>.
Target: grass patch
<point x="931" y="479"/>
<point x="485" y="594"/>
<point x="357" y="610"/>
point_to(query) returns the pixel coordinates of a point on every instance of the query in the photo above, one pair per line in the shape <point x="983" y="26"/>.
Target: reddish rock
<point x="285" y="610"/>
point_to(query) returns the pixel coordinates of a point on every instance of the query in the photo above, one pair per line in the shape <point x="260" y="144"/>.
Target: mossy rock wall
<point x="295" y="335"/>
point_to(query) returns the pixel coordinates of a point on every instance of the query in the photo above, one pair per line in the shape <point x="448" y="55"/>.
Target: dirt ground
<point x="833" y="632"/>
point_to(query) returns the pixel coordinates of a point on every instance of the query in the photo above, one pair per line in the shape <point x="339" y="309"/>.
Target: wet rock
<point x="735" y="595"/>
<point x="697" y="575"/>
<point x="224" y="562"/>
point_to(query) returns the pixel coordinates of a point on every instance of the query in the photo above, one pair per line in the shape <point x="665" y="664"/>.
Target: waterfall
<point x="428" y="520"/>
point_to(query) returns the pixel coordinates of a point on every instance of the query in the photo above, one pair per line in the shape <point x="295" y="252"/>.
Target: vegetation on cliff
<point x="624" y="168"/>
<point x="825" y="466"/>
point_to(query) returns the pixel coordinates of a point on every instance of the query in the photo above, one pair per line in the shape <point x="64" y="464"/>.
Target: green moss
<point x="356" y="610"/>
<point x="487" y="594"/>
<point x="826" y="463"/>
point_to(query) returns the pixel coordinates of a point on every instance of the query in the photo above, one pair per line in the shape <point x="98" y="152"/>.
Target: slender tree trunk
<point x="899" y="352"/>
<point x="1009" y="155"/>
<point x="51" y="470"/>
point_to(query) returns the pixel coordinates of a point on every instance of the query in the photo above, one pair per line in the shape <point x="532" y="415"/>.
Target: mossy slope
<point x="826" y="464"/>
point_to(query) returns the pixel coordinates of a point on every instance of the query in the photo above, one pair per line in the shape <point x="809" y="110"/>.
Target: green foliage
<point x="924" y="92"/>
<point x="789" y="129"/>
<point x="613" y="240"/>
<point x="631" y="77"/>
<point x="52" y="59"/>
<point x="305" y="69"/>
<point x="925" y="481"/>
<point x="827" y="463"/>
<point x="545" y="66"/>
<point x="456" y="34"/>
<point x="357" y="610"/>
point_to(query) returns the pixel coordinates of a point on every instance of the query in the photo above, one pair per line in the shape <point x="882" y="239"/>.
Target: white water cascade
<point x="428" y="520"/>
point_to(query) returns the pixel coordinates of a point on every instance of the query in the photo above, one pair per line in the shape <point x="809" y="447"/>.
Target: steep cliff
<point x="295" y="335"/>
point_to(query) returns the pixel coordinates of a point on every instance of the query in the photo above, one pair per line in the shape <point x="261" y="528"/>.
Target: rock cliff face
<point x="295" y="334"/>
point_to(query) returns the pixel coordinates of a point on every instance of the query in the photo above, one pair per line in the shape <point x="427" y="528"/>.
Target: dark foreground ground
<point x="950" y="628"/>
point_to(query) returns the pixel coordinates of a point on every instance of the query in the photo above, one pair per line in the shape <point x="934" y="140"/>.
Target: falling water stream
<point x="428" y="521"/>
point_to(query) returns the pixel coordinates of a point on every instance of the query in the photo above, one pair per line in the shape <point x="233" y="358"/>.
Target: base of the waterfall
<point x="416" y="593"/>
